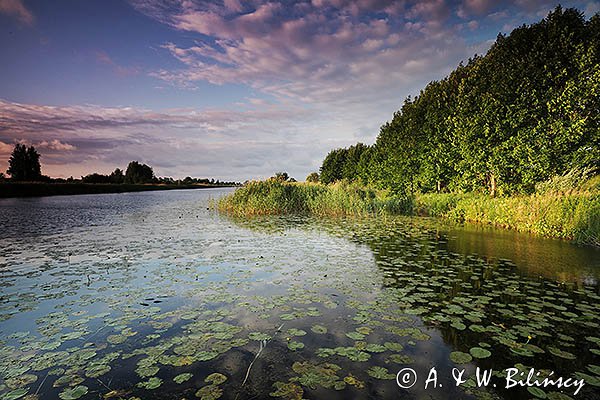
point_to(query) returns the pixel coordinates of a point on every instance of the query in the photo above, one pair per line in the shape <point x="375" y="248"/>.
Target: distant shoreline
<point x="39" y="189"/>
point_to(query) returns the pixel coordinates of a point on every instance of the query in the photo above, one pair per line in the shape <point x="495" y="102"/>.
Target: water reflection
<point x="127" y="295"/>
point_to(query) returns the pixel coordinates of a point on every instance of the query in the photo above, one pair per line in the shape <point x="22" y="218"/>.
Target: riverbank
<point x="38" y="189"/>
<point x="572" y="215"/>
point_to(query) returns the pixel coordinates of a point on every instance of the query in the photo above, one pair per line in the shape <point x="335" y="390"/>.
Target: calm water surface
<point x="156" y="296"/>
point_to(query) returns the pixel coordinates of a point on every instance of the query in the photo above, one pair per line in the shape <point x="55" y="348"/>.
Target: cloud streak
<point x="17" y="9"/>
<point x="222" y="143"/>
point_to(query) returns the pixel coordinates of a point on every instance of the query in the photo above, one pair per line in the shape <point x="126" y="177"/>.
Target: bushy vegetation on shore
<point x="501" y="123"/>
<point x="562" y="207"/>
<point x="573" y="216"/>
<point x="338" y="199"/>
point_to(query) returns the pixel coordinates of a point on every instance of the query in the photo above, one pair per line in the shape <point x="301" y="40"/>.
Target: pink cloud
<point x="103" y="58"/>
<point x="17" y="9"/>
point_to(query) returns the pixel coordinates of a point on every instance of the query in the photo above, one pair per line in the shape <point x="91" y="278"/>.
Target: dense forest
<point x="522" y="113"/>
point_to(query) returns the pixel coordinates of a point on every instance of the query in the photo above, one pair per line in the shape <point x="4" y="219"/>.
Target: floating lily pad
<point x="151" y="384"/>
<point x="458" y="357"/>
<point x="293" y="345"/>
<point x="209" y="392"/>
<point x="560" y="353"/>
<point x="182" y="378"/>
<point x="380" y="373"/>
<point x="215" y="378"/>
<point x="537" y="392"/>
<point x="478" y="352"/>
<point x="73" y="393"/>
<point x="15" y="394"/>
<point x="319" y="329"/>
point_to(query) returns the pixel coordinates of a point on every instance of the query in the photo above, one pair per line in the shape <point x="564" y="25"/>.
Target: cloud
<point x="16" y="9"/>
<point x="255" y="140"/>
<point x="103" y="58"/>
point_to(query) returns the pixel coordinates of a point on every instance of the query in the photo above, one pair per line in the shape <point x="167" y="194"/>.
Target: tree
<point x="280" y="177"/>
<point x="24" y="164"/>
<point x="333" y="166"/>
<point x="95" y="178"/>
<point x="313" y="177"/>
<point x="117" y="176"/>
<point x="139" y="173"/>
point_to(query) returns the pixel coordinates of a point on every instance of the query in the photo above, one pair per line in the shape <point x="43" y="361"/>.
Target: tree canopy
<point x="139" y="173"/>
<point x="502" y="122"/>
<point x="24" y="164"/>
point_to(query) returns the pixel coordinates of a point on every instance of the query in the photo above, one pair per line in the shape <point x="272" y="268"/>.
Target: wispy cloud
<point x="219" y="142"/>
<point x="103" y="58"/>
<point x="17" y="9"/>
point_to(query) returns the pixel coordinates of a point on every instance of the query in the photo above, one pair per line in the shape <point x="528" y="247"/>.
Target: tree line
<point x="525" y="111"/>
<point x="24" y="166"/>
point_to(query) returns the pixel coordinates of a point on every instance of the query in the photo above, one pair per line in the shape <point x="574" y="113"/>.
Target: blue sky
<point x="228" y="89"/>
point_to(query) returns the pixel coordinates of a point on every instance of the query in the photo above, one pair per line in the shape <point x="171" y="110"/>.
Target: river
<point x="155" y="295"/>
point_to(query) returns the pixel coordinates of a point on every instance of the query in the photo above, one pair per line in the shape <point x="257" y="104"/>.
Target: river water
<point x="156" y="295"/>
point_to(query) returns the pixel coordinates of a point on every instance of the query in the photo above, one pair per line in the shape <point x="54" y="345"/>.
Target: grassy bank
<point x="274" y="197"/>
<point x="36" y="189"/>
<point x="571" y="213"/>
<point x="568" y="211"/>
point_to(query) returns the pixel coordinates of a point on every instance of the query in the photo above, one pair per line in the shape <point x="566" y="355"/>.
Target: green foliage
<point x="313" y="177"/>
<point x="341" y="198"/>
<point x="566" y="207"/>
<point x="502" y="123"/>
<point x="24" y="164"/>
<point x="139" y="173"/>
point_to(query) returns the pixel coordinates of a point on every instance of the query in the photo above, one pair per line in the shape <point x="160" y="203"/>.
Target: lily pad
<point x="73" y="393"/>
<point x="215" y="378"/>
<point x="458" y="357"/>
<point x="320" y="329"/>
<point x="182" y="378"/>
<point x="478" y="352"/>
<point x="380" y="373"/>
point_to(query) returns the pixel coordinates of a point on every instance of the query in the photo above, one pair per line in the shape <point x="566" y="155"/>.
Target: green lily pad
<point x="73" y="393"/>
<point x="537" y="392"/>
<point x="259" y="336"/>
<point x="293" y="345"/>
<point x="209" y="392"/>
<point x="182" y="378"/>
<point x="215" y="378"/>
<point x="320" y="329"/>
<point x="15" y="394"/>
<point x="560" y="353"/>
<point x="458" y="357"/>
<point x="380" y="373"/>
<point x="151" y="384"/>
<point x="478" y="352"/>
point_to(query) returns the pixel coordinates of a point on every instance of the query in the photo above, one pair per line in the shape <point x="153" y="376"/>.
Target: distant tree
<point x="95" y="178"/>
<point x="139" y="173"/>
<point x="280" y="177"/>
<point x="117" y="176"/>
<point x="312" y="177"/>
<point x="24" y="164"/>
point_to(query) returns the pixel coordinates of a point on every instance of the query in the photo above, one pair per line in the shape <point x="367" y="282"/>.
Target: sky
<point x="229" y="89"/>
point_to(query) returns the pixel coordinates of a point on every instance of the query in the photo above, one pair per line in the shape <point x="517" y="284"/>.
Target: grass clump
<point x="338" y="199"/>
<point x="567" y="207"/>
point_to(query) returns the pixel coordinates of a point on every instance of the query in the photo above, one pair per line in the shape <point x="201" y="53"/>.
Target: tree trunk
<point x="493" y="185"/>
